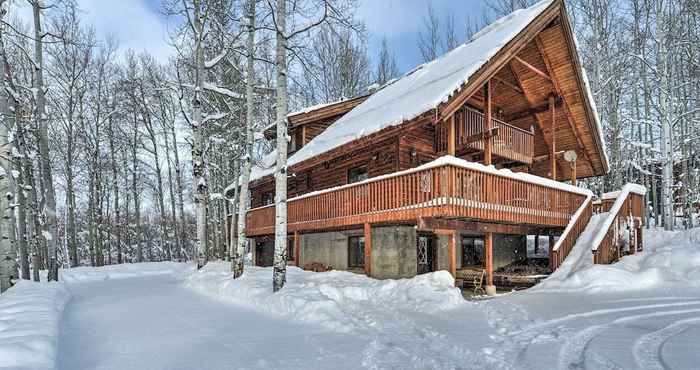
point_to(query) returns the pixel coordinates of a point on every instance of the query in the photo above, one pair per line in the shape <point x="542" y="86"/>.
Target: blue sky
<point x="138" y="24"/>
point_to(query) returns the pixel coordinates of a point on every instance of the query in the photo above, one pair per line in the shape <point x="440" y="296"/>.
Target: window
<point x="268" y="198"/>
<point x="472" y="251"/>
<point x="356" y="252"/>
<point x="290" y="249"/>
<point x="357" y="174"/>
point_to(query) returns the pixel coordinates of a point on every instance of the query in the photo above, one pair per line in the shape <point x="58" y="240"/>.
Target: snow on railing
<point x="620" y="198"/>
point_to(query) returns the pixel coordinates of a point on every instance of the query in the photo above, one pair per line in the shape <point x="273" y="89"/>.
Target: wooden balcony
<point x="447" y="188"/>
<point x="509" y="142"/>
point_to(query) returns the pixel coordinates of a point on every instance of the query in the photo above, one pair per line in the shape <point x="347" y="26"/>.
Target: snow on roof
<point x="312" y="108"/>
<point x="420" y="90"/>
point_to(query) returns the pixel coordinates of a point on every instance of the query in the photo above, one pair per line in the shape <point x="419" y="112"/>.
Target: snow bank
<point x="29" y="322"/>
<point x="338" y="300"/>
<point x="123" y="271"/>
<point x="669" y="257"/>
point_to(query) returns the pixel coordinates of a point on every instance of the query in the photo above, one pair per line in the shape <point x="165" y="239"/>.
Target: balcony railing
<point x="447" y="187"/>
<point x="510" y="142"/>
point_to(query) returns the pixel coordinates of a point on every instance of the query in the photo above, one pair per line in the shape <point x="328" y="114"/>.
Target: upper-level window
<point x="357" y="174"/>
<point x="268" y="198"/>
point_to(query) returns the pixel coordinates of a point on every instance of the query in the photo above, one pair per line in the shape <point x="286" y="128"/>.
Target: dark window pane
<point x="357" y="174"/>
<point x="356" y="251"/>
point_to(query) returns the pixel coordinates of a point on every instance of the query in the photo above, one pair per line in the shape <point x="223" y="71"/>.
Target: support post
<point x="537" y="243"/>
<point x="303" y="135"/>
<point x="297" y="249"/>
<point x="368" y="249"/>
<point x="452" y="253"/>
<point x="553" y="154"/>
<point x="451" y="137"/>
<point x="573" y="173"/>
<point x="487" y="123"/>
<point x="488" y="254"/>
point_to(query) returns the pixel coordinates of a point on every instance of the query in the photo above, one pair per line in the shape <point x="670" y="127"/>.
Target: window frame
<point x="349" y="174"/>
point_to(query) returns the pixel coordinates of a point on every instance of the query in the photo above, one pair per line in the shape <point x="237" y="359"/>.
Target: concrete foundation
<point x="393" y="252"/>
<point x="329" y="248"/>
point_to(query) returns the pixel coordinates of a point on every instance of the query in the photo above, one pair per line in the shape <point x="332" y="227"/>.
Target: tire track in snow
<point x="515" y="344"/>
<point x="648" y="348"/>
<point x="572" y="353"/>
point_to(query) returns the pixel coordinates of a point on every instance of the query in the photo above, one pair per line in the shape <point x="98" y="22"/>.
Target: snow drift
<point x="669" y="257"/>
<point x="123" y="271"/>
<point x="338" y="300"/>
<point x="29" y="323"/>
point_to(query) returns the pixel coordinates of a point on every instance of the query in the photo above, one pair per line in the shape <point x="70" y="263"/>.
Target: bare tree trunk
<point x="198" y="165"/>
<point x="237" y="257"/>
<point x="49" y="198"/>
<point x="180" y="191"/>
<point x="171" y="190"/>
<point x="279" y="263"/>
<point x="8" y="266"/>
<point x="665" y="108"/>
<point x="115" y="187"/>
<point x="135" y="193"/>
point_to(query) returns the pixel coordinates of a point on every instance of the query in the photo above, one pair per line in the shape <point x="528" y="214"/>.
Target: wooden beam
<point x="297" y="249"/>
<point x="488" y="257"/>
<point x="488" y="142"/>
<point x="553" y="142"/>
<point x="532" y="68"/>
<point x="368" y="249"/>
<point x="573" y="173"/>
<point x="508" y="84"/>
<point x="303" y="135"/>
<point x="542" y="108"/>
<point x="451" y="136"/>
<point x="452" y="253"/>
<point x="447" y="225"/>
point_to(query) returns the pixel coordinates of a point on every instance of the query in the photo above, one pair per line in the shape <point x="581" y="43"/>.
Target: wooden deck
<point x="443" y="191"/>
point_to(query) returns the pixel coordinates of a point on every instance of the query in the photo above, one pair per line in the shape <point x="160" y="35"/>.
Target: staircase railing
<point x="623" y="226"/>
<point x="573" y="230"/>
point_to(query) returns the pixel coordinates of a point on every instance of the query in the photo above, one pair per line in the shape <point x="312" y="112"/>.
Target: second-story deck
<point x="446" y="188"/>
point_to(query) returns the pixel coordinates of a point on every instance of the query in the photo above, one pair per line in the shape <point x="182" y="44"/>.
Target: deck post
<point x="451" y="137"/>
<point x="368" y="249"/>
<point x="488" y="251"/>
<point x="297" y="249"/>
<point x="452" y="253"/>
<point x="553" y="154"/>
<point x="487" y="123"/>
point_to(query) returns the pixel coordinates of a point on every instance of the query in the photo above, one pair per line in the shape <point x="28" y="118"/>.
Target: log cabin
<point x="454" y="166"/>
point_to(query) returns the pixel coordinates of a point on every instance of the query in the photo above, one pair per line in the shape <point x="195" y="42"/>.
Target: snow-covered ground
<point x="641" y="313"/>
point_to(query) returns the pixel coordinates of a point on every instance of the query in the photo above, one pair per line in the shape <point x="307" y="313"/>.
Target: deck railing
<point x="622" y="227"/>
<point x="451" y="188"/>
<point x="509" y="142"/>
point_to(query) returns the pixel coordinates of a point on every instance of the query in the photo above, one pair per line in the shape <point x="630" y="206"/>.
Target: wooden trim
<point x="368" y="249"/>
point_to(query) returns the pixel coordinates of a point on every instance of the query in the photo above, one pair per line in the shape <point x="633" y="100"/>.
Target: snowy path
<point x="155" y="323"/>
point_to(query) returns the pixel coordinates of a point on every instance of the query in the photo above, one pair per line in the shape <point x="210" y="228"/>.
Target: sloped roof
<point x="419" y="91"/>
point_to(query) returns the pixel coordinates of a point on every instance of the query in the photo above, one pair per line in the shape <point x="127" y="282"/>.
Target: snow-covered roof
<point x="418" y="91"/>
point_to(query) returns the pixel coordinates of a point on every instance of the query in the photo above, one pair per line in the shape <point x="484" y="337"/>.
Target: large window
<point x="357" y="174"/>
<point x="472" y="251"/>
<point x="356" y="252"/>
